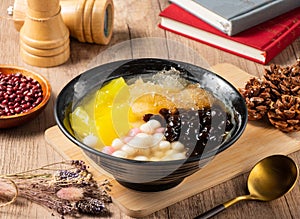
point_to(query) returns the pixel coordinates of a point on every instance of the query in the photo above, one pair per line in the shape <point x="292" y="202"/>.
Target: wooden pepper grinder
<point x="87" y="20"/>
<point x="44" y="38"/>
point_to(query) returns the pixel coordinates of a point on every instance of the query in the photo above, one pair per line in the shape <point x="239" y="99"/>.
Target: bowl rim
<point x="118" y="63"/>
<point x="46" y="84"/>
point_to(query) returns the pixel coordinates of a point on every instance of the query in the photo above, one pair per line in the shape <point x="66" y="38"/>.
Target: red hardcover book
<point x="260" y="43"/>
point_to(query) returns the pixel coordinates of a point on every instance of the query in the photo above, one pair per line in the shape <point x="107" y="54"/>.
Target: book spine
<point x="248" y="20"/>
<point x="283" y="41"/>
<point x="241" y="22"/>
<point x="218" y="47"/>
<point x="206" y="15"/>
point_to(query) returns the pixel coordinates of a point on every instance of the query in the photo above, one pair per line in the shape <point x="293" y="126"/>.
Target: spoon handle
<point x="212" y="212"/>
<point x="216" y="210"/>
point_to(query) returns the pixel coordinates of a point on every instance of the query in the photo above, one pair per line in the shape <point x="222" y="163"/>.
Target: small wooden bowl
<point x="19" y="119"/>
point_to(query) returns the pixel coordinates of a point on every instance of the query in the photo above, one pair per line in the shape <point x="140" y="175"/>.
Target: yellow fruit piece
<point x="150" y="103"/>
<point x="81" y="123"/>
<point x="111" y="110"/>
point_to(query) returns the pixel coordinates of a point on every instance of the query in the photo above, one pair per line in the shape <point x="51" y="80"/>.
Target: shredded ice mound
<point x="171" y="86"/>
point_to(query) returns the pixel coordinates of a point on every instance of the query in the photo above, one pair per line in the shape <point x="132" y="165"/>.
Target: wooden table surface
<point x="25" y="147"/>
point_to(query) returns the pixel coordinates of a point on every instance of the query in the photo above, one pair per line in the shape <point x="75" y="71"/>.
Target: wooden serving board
<point x="259" y="140"/>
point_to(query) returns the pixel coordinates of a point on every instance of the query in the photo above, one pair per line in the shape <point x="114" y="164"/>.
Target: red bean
<point x="39" y="99"/>
<point x="28" y="98"/>
<point x="25" y="91"/>
<point x="4" y="102"/>
<point x="13" y="96"/>
<point x="18" y="94"/>
<point x="18" y="109"/>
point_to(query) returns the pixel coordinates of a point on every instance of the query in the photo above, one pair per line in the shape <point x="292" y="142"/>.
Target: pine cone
<point x="292" y="82"/>
<point x="283" y="81"/>
<point x="285" y="113"/>
<point x="257" y="97"/>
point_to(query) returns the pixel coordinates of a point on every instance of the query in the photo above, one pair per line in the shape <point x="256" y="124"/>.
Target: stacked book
<point x="254" y="29"/>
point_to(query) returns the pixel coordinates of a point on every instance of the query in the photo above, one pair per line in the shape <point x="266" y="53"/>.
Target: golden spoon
<point x="270" y="178"/>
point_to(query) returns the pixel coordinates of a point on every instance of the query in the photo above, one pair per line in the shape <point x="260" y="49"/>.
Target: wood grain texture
<point x="237" y="159"/>
<point x="25" y="147"/>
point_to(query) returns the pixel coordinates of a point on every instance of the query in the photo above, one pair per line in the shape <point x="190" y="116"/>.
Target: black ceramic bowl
<point x="149" y="175"/>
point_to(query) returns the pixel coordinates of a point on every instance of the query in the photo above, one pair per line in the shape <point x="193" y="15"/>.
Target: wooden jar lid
<point x="102" y="21"/>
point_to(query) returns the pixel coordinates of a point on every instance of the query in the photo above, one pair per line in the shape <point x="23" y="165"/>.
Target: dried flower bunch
<point x="67" y="187"/>
<point x="276" y="96"/>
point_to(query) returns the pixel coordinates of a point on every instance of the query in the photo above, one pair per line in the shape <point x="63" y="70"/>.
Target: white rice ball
<point x="164" y="145"/>
<point x="141" y="140"/>
<point x="128" y="149"/>
<point x="117" y="143"/>
<point x="178" y="156"/>
<point x="141" y="158"/>
<point x="177" y="146"/>
<point x="90" y="140"/>
<point x="154" y="124"/>
<point x="150" y="126"/>
<point x="120" y="154"/>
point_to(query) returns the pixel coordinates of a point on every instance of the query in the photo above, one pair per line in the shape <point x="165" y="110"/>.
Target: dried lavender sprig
<point x="7" y="190"/>
<point x="45" y="167"/>
<point x="95" y="202"/>
<point x="46" y="189"/>
<point x="91" y="206"/>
